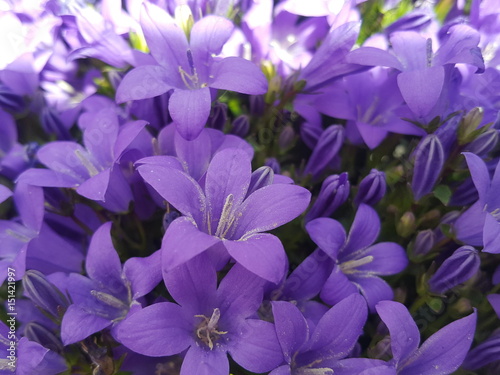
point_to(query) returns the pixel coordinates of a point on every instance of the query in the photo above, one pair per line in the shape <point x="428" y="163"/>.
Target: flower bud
<point x="9" y="100"/>
<point x="371" y="189"/>
<point x="38" y="333"/>
<point x="326" y="149"/>
<point x="469" y="129"/>
<point x="257" y="104"/>
<point x="218" y="116"/>
<point x="424" y="242"/>
<point x="310" y="134"/>
<point x="464" y="195"/>
<point x="273" y="164"/>
<point x="406" y="225"/>
<point x="261" y="177"/>
<point x="483" y="354"/>
<point x="458" y="268"/>
<point x="286" y="137"/>
<point x="483" y="144"/>
<point x="44" y="294"/>
<point x="334" y="192"/>
<point x="429" y="161"/>
<point x="241" y="126"/>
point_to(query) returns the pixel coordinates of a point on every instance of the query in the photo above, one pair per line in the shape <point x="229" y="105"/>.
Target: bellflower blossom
<point x="355" y="262"/>
<point x="187" y="66"/>
<point x="220" y="213"/>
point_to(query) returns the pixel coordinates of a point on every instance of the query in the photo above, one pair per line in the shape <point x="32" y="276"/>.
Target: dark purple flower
<point x="329" y="144"/>
<point x="334" y="192"/>
<point x="207" y="321"/>
<point x="484" y="353"/>
<point x="110" y="292"/>
<point x="188" y="68"/>
<point x="479" y="225"/>
<point x="357" y="261"/>
<point x="424" y="242"/>
<point x="217" y="213"/>
<point x="371" y="189"/>
<point x="440" y="354"/>
<point x="429" y="161"/>
<point x="458" y="268"/>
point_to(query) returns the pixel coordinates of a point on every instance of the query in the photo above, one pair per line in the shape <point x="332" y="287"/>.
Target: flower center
<point x="191" y="80"/>
<point x="207" y="330"/>
<point x="348" y="267"/>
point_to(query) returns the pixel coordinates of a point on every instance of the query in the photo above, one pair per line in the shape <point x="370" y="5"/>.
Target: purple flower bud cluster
<point x="249" y="187"/>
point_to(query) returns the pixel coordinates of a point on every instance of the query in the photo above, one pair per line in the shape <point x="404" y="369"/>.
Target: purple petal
<point x="405" y="336"/>
<point x="338" y="330"/>
<point x="237" y="74"/>
<point x="66" y="158"/>
<point x="143" y="273"/>
<point x="157" y="330"/>
<point x="190" y="110"/>
<point x="491" y="235"/>
<point x="469" y="226"/>
<point x="364" y="230"/>
<point x="100" y="134"/>
<point x="30" y="205"/>
<point x="361" y="366"/>
<point x="261" y="254"/>
<point x="143" y="82"/>
<point x="33" y="358"/>
<point x="479" y="173"/>
<point x="5" y="193"/>
<point x="183" y="241"/>
<point x="178" y="189"/>
<point x="228" y="177"/>
<point x="337" y="287"/>
<point x="374" y="289"/>
<point x="256" y="347"/>
<point x="444" y="351"/>
<point x="494" y="300"/>
<point x="208" y="36"/>
<point x="291" y="328"/>
<point x="129" y="132"/>
<point x="418" y="94"/>
<point x="282" y="370"/>
<point x="193" y="285"/>
<point x="200" y="361"/>
<point x="371" y="134"/>
<point x="271" y="207"/>
<point x="95" y="187"/>
<point x="78" y="324"/>
<point x="373" y="57"/>
<point x="47" y="178"/>
<point x="195" y="154"/>
<point x="411" y="49"/>
<point x="388" y="258"/>
<point x="328" y="234"/>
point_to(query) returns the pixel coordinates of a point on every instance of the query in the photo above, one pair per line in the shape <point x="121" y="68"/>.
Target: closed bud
<point x="260" y="178"/>
<point x="465" y="194"/>
<point x="241" y="126"/>
<point x="429" y="161"/>
<point x="286" y="137"/>
<point x="334" y="192"/>
<point x="273" y="164"/>
<point x="371" y="189"/>
<point x="257" y="105"/>
<point x="458" y="268"/>
<point x="310" y="134"/>
<point x="424" y="242"/>
<point x="9" y="100"/>
<point x="483" y="144"/>
<point x="53" y="124"/>
<point x="406" y="225"/>
<point x="218" y="116"/>
<point x="44" y="294"/>
<point x="328" y="146"/>
<point x="484" y="354"/>
<point x="469" y="126"/>
<point x="38" y="333"/>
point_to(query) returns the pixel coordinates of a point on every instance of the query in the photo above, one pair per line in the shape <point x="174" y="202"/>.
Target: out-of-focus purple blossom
<point x="53" y="124"/>
<point x="310" y="134"/>
<point x="429" y="161"/>
<point x="189" y="68"/>
<point x="358" y="262"/>
<point x="479" y="225"/>
<point x="5" y="193"/>
<point x="371" y="189"/>
<point x="218" y="214"/>
<point x="110" y="292"/>
<point x="273" y="164"/>
<point x="418" y="65"/>
<point x="328" y="146"/>
<point x="415" y="20"/>
<point x="9" y="100"/>
<point x="458" y="268"/>
<point x="483" y="144"/>
<point x="442" y="353"/>
<point x="286" y="138"/>
<point x="218" y="117"/>
<point x="484" y="353"/>
<point x="464" y="195"/>
<point x="322" y="347"/>
<point x="44" y="294"/>
<point x="153" y="110"/>
<point x="333" y="193"/>
<point x="36" y="332"/>
<point x="424" y="242"/>
<point x="207" y="321"/>
<point x="241" y="126"/>
<point x="261" y="177"/>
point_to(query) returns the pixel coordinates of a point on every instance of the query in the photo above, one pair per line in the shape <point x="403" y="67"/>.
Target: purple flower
<point x="110" y="292"/>
<point x="479" y="225"/>
<point x="429" y="161"/>
<point x="311" y="349"/>
<point x="218" y="213"/>
<point x="329" y="144"/>
<point x="357" y="262"/>
<point x="372" y="188"/>
<point x="334" y="192"/>
<point x="484" y="354"/>
<point x="419" y="66"/>
<point x="440" y="354"/>
<point x="186" y="65"/>
<point x="207" y="321"/>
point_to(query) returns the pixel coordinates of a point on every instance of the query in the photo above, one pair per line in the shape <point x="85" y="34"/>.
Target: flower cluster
<point x="206" y="187"/>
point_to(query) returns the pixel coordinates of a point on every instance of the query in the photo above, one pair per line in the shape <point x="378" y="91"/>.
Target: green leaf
<point x="443" y="193"/>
